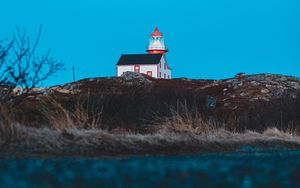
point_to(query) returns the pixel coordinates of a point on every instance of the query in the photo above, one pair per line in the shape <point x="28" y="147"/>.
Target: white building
<point x="153" y="64"/>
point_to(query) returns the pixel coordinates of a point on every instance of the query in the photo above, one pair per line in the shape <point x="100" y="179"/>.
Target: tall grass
<point x="79" y="129"/>
<point x="185" y="120"/>
<point x="8" y="130"/>
<point x="81" y="115"/>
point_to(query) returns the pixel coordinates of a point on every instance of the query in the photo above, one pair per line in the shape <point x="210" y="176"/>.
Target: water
<point x="258" y="168"/>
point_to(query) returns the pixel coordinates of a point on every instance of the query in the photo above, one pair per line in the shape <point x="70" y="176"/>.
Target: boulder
<point x="135" y="76"/>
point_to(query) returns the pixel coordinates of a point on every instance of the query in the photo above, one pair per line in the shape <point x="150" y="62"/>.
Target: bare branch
<point x="19" y="65"/>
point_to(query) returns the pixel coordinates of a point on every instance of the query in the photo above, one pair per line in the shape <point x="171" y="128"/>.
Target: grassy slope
<point x="117" y="117"/>
<point x="254" y="102"/>
<point x="31" y="141"/>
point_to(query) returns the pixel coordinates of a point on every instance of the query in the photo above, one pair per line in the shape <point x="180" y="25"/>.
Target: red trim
<point x="137" y="68"/>
<point x="149" y="73"/>
<point x="157" y="51"/>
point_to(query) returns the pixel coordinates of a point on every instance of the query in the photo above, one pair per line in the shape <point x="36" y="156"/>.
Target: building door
<point x="136" y="68"/>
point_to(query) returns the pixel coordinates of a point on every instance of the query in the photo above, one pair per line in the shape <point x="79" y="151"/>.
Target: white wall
<point x="161" y="69"/>
<point x="124" y="68"/>
<point x="143" y="69"/>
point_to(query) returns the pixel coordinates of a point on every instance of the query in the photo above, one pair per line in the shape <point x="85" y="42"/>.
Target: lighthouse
<point x="157" y="43"/>
<point x="153" y="63"/>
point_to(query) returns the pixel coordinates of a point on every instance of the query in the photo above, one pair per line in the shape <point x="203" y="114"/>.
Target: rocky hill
<point x="252" y="102"/>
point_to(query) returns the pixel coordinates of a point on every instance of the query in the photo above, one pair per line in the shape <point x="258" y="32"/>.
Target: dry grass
<point x="82" y="116"/>
<point x="78" y="131"/>
<point x="99" y="142"/>
<point x="8" y="130"/>
<point x="8" y="133"/>
<point x="184" y="120"/>
<point x="188" y="123"/>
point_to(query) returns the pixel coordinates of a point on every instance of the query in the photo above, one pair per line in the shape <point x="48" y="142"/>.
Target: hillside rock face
<point x="134" y="100"/>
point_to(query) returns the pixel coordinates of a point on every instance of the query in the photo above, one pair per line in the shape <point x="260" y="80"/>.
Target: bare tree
<point x="3" y="57"/>
<point x="19" y="64"/>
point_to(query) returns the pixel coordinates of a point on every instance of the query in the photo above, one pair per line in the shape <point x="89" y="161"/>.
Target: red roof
<point x="156" y="33"/>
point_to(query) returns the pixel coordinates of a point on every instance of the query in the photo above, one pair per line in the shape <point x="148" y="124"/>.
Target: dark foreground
<point x="246" y="168"/>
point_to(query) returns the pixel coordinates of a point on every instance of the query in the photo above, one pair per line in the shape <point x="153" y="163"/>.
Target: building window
<point x="149" y="73"/>
<point x="136" y="68"/>
<point x="160" y="75"/>
<point x="165" y="76"/>
<point x="159" y="64"/>
<point x="165" y="66"/>
<point x="168" y="76"/>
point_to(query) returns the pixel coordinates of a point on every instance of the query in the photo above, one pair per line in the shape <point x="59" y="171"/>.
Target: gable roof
<point x="142" y="59"/>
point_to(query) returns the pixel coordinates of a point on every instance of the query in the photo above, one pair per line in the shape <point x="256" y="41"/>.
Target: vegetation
<point x="21" y="67"/>
<point x="74" y="132"/>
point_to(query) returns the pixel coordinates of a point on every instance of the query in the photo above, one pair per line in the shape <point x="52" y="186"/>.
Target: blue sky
<point x="207" y="38"/>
